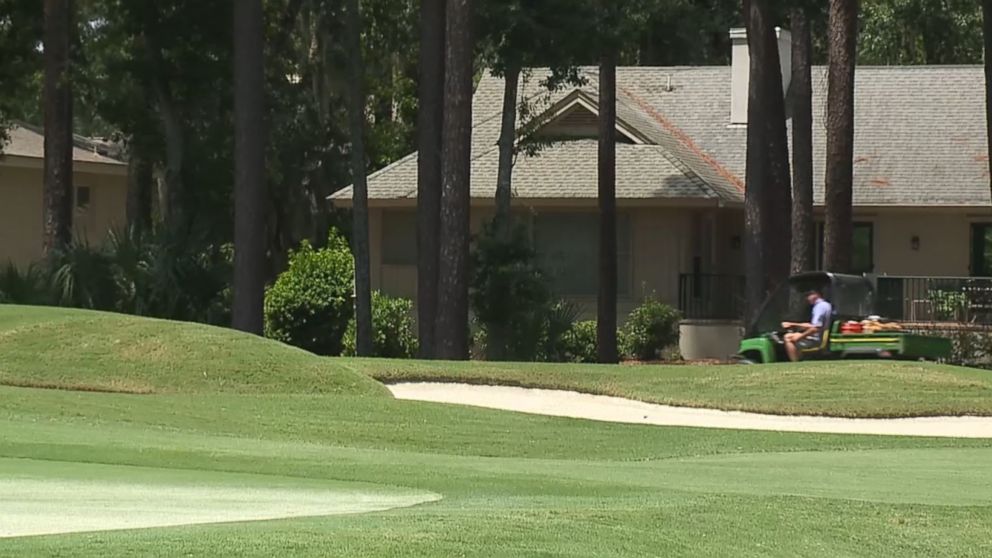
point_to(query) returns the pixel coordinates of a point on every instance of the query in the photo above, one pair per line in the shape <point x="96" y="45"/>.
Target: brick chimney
<point x="740" y="69"/>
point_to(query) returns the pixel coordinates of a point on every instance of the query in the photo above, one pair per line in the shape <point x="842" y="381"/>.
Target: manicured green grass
<point x="513" y="485"/>
<point x="871" y="389"/>
<point x="75" y="349"/>
<point x="510" y="484"/>
<point x="54" y="497"/>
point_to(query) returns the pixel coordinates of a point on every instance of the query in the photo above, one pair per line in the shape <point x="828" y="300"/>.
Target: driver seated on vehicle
<point x="808" y="336"/>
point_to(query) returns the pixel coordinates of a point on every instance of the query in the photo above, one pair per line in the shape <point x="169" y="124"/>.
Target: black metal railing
<point x="920" y="300"/>
<point x="966" y="300"/>
<point x="711" y="297"/>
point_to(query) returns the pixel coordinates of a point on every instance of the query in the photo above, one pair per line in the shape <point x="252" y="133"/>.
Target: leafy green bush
<point x="509" y="295"/>
<point x="310" y="304"/>
<point x="393" y="330"/>
<point x="650" y="329"/>
<point x="949" y="305"/>
<point x="579" y="343"/>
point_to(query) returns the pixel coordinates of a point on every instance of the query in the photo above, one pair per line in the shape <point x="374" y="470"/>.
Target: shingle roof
<point x="919" y="139"/>
<point x="28" y="141"/>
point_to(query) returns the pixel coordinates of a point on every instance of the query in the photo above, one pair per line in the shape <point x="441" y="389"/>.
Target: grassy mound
<point x="869" y="389"/>
<point x="93" y="351"/>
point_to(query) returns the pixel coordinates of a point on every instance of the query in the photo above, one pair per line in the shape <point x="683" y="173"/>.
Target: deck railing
<point x="711" y="297"/>
<point x="920" y="300"/>
<point x="966" y="300"/>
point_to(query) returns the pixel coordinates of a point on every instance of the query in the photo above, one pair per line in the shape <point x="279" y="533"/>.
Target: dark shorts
<point x="808" y="344"/>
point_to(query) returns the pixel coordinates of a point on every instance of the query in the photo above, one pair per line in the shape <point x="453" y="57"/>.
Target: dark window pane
<point x="82" y="197"/>
<point x="863" y="257"/>
<point x="862" y="260"/>
<point x="399" y="238"/>
<point x="981" y="250"/>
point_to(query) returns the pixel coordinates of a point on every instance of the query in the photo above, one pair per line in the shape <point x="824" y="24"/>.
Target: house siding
<point x="21" y="211"/>
<point x="662" y="247"/>
<point x="944" y="243"/>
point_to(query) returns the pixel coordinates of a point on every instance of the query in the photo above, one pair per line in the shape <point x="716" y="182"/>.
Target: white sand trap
<point x="614" y="409"/>
<point x="44" y="498"/>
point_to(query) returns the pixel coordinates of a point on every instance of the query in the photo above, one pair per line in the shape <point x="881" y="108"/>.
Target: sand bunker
<point x="40" y="498"/>
<point x="615" y="409"/>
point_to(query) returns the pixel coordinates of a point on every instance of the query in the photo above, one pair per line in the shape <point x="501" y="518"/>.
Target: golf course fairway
<point x="121" y="436"/>
<point x="50" y="497"/>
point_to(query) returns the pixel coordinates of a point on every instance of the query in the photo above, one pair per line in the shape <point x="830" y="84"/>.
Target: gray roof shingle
<point x="29" y="141"/>
<point x="919" y="139"/>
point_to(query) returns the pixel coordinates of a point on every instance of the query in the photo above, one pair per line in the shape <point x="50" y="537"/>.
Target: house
<point x="100" y="198"/>
<point x="921" y="181"/>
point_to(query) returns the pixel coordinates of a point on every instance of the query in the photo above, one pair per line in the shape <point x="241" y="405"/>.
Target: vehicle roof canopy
<point x="851" y="296"/>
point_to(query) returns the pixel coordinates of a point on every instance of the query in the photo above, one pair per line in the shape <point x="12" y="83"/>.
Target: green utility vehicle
<point x="852" y="298"/>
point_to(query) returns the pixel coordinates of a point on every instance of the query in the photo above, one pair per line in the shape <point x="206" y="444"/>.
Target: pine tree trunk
<point x="249" y="160"/>
<point x="767" y="205"/>
<point x="429" y="124"/>
<point x="841" y="51"/>
<point x="778" y="192"/>
<point x="606" y="317"/>
<point x="987" y="31"/>
<point x="803" y="226"/>
<point x="507" y="144"/>
<point x="456" y="164"/>
<point x="171" y="200"/>
<point x="141" y="175"/>
<point x="360" y="194"/>
<point x="58" y="196"/>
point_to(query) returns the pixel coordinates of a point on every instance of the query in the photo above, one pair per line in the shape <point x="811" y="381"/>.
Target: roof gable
<point x="576" y="117"/>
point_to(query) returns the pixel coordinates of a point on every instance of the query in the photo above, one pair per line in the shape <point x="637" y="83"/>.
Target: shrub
<point x="310" y="304"/>
<point x="81" y="276"/>
<point x="22" y="286"/>
<point x="969" y="348"/>
<point x="651" y="328"/>
<point x="171" y="274"/>
<point x="949" y="305"/>
<point x="579" y="343"/>
<point x="393" y="331"/>
<point x="560" y="320"/>
<point x="509" y="295"/>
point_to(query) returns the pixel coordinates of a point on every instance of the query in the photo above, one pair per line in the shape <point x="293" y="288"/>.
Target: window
<point x="399" y="238"/>
<point x="567" y="246"/>
<point x="863" y="258"/>
<point x="82" y="197"/>
<point x="981" y="250"/>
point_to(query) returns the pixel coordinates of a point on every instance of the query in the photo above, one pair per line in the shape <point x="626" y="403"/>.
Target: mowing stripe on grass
<point x="45" y="497"/>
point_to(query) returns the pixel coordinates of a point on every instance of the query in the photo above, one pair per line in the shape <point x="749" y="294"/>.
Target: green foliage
<point x="393" y="330"/>
<point x="170" y="274"/>
<point x="509" y="295"/>
<point x="22" y="286"/>
<point x="579" y="343"/>
<point x="20" y="33"/>
<point x="82" y="276"/>
<point x="650" y="329"/>
<point x="164" y="274"/>
<point x="560" y="320"/>
<point x="949" y="305"/>
<point x="970" y="346"/>
<point x="310" y="304"/>
<point x="920" y="32"/>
